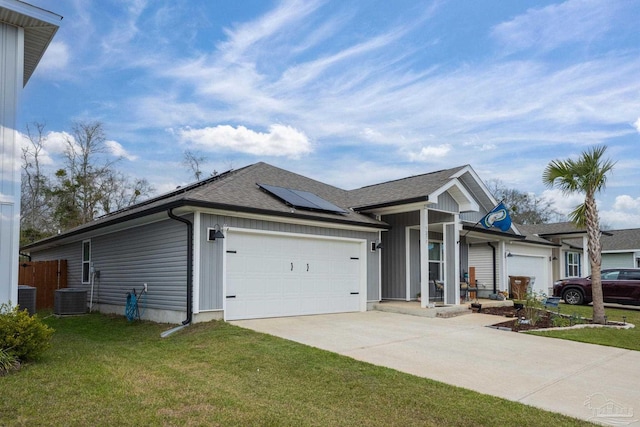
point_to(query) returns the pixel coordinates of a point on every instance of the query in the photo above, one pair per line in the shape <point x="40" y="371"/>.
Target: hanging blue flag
<point x="498" y="217"/>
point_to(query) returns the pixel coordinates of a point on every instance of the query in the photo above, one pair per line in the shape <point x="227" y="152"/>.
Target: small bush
<point x="8" y="362"/>
<point x="22" y="336"/>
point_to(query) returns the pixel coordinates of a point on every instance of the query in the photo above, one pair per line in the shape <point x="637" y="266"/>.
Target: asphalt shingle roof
<point x="620" y="240"/>
<point x="554" y="228"/>
<point x="401" y="190"/>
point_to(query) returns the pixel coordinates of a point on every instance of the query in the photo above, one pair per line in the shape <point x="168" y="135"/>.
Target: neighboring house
<point x="293" y="246"/>
<point x="569" y="256"/>
<point x="621" y="248"/>
<point x="25" y="33"/>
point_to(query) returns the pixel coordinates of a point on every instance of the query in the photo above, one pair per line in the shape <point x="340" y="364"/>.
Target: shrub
<point x="8" y="362"/>
<point x="23" y="336"/>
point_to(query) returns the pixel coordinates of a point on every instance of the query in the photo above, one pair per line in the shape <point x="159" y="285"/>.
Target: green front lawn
<point x="104" y="371"/>
<point x="623" y="338"/>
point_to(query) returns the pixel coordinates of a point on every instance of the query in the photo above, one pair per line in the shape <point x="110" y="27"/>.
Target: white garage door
<point x="532" y="266"/>
<point x="274" y="275"/>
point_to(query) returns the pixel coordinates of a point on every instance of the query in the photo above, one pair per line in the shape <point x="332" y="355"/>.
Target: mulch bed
<point x="543" y="322"/>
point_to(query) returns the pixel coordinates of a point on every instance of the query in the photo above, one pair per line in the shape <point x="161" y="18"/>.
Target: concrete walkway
<point x="591" y="382"/>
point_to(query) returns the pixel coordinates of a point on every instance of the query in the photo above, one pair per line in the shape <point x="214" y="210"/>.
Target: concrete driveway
<point x="595" y="383"/>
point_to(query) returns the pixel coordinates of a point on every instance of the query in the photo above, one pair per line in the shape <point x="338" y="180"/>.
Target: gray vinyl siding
<point x="71" y="252"/>
<point x="618" y="260"/>
<point x="481" y="257"/>
<point x="155" y="254"/>
<point x="211" y="292"/>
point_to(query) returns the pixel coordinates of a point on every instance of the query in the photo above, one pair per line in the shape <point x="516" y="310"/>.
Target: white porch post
<point x="504" y="279"/>
<point x="424" y="256"/>
<point x="586" y="263"/>
<point x="456" y="238"/>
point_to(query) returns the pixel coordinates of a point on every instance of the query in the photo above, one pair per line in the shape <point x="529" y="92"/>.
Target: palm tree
<point x="588" y="175"/>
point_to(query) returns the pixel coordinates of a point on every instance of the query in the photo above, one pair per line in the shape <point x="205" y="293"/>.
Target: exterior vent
<point x="70" y="301"/>
<point x="27" y="298"/>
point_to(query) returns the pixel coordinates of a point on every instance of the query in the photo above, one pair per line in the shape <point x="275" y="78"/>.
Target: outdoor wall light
<point x="215" y="233"/>
<point x="376" y="245"/>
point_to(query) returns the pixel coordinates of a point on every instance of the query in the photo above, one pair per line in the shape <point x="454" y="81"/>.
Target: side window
<point x="86" y="261"/>
<point x="630" y="275"/>
<point x="611" y="275"/>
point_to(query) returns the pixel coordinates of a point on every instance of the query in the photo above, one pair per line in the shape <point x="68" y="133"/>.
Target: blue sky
<point x="351" y="93"/>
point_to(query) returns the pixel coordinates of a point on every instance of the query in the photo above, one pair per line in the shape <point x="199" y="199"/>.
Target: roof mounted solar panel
<point x="301" y="199"/>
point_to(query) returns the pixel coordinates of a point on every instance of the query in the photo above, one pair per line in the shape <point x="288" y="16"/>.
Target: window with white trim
<point x="436" y="261"/>
<point x="573" y="266"/>
<point x="86" y="261"/>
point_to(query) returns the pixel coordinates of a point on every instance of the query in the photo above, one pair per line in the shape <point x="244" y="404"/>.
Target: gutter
<point x="189" y="265"/>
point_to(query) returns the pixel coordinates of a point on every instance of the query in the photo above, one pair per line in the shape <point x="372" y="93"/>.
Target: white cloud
<point x="55" y="58"/>
<point x="637" y="125"/>
<point x="118" y="150"/>
<point x="557" y="24"/>
<point x="430" y="152"/>
<point x="279" y="141"/>
<point x="626" y="203"/>
<point x="57" y="142"/>
<point x="563" y="203"/>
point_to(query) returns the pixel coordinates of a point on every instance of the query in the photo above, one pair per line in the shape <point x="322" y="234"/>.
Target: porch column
<point x="424" y="256"/>
<point x="451" y="264"/>
<point x="586" y="263"/>
<point x="502" y="256"/>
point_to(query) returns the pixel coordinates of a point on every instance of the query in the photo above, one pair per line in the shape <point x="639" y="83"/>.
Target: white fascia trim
<point x="31" y="11"/>
<point x="468" y="169"/>
<point x="296" y="221"/>
<point x="409" y="207"/>
<point x="621" y="251"/>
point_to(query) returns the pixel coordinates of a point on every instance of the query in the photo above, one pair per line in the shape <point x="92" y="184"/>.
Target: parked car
<point x="619" y="285"/>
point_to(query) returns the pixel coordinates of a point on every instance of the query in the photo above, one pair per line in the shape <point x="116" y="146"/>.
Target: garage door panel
<point x="290" y="276"/>
<point x="531" y="266"/>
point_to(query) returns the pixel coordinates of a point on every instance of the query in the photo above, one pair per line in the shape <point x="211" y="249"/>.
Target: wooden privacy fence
<point x="46" y="277"/>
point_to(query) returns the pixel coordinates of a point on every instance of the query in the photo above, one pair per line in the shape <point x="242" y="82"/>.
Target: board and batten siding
<point x="211" y="253"/>
<point x="446" y="203"/>
<point x="394" y="271"/>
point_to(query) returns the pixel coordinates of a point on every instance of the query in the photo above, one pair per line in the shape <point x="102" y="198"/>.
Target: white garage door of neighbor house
<point x="532" y="266"/>
<point x="274" y="275"/>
